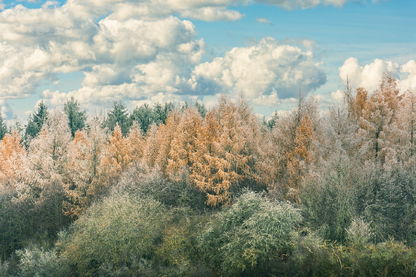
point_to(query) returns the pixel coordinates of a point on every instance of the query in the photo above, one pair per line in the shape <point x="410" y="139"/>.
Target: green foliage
<point x="390" y="198"/>
<point x="143" y="115"/>
<point x="245" y="237"/>
<point x="201" y="109"/>
<point x="36" y="121"/>
<point x="118" y="115"/>
<point x="139" y="180"/>
<point x="271" y="122"/>
<point x="328" y="200"/>
<point x="36" y="261"/>
<point x="32" y="219"/>
<point x="359" y="233"/>
<point x="76" y="116"/>
<point x="13" y="222"/>
<point x="3" y="127"/>
<point x="113" y="232"/>
<point x="161" y="112"/>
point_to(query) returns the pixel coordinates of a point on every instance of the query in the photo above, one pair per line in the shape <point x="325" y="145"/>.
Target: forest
<point x="182" y="190"/>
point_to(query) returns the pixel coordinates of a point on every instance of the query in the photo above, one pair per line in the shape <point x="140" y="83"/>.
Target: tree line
<point x="185" y="191"/>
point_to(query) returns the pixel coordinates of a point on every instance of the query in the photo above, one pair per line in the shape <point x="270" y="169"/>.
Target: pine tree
<point x="201" y="109"/>
<point x="76" y="117"/>
<point x="36" y="121"/>
<point x="118" y="115"/>
<point x="161" y="113"/>
<point x="143" y="115"/>
<point x="3" y="127"/>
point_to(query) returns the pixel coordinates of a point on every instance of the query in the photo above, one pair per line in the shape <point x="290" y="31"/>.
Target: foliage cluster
<point x="185" y="191"/>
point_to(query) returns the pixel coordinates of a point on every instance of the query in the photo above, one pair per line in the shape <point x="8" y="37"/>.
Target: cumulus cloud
<point x="136" y="50"/>
<point x="263" y="20"/>
<point x="369" y="75"/>
<point x="212" y="14"/>
<point x="258" y="70"/>
<point x="5" y="109"/>
<point x="410" y="70"/>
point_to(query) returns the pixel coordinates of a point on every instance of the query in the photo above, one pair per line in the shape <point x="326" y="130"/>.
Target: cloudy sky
<point x="147" y="51"/>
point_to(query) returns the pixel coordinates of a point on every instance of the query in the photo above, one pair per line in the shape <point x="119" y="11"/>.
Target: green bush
<point x="246" y="237"/>
<point x="38" y="262"/>
<point x="114" y="233"/>
<point x="150" y="183"/>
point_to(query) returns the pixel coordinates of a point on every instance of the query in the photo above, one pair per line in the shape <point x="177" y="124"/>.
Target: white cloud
<point x="338" y="95"/>
<point x="410" y="70"/>
<point x="259" y="70"/>
<point x="5" y="109"/>
<point x="369" y="75"/>
<point x="137" y="49"/>
<point x="212" y="14"/>
<point x="263" y="20"/>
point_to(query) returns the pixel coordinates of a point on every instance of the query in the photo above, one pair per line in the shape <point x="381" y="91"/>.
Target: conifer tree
<point x="36" y="121"/>
<point x="183" y="145"/>
<point x="299" y="157"/>
<point x="136" y="142"/>
<point x="143" y="115"/>
<point x="378" y="118"/>
<point x="3" y="127"/>
<point x="118" y="115"/>
<point x="117" y="155"/>
<point x="12" y="153"/>
<point x="76" y="117"/>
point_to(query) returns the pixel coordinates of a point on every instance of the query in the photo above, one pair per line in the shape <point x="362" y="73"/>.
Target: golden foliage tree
<point x="299" y="157"/>
<point x="183" y="145"/>
<point x="12" y="153"/>
<point x="378" y="117"/>
<point x="117" y="156"/>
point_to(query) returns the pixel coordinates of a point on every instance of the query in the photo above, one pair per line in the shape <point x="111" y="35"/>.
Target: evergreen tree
<point x="3" y="127"/>
<point x="201" y="109"/>
<point x="161" y="113"/>
<point x="118" y="115"/>
<point x="76" y="117"/>
<point x="36" y="121"/>
<point x="143" y="115"/>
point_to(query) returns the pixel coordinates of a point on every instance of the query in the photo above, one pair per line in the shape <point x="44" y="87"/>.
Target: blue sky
<point x="182" y="50"/>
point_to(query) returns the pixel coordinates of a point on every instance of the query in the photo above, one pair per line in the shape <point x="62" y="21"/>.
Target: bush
<point x="36" y="261"/>
<point x="246" y="237"/>
<point x="150" y="183"/>
<point x="114" y="233"/>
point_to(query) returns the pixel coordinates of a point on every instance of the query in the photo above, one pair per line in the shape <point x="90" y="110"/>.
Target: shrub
<point x="114" y="233"/>
<point x="246" y="237"/>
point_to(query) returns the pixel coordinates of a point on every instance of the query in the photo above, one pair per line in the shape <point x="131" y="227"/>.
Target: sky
<point x="148" y="51"/>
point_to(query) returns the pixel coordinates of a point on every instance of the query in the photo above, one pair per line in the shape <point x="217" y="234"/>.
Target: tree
<point x="36" y="121"/>
<point x="285" y="140"/>
<point x="201" y="109"/>
<point x="76" y="117"/>
<point x="117" y="156"/>
<point x="12" y="153"/>
<point x="246" y="238"/>
<point x="143" y="115"/>
<point x="183" y="145"/>
<point x="161" y="113"/>
<point x="118" y="115"/>
<point x="299" y="158"/>
<point x="3" y="127"/>
<point x="136" y="142"/>
<point x="378" y="118"/>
